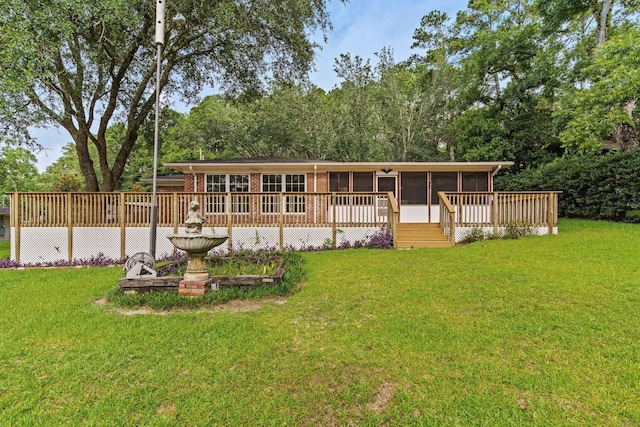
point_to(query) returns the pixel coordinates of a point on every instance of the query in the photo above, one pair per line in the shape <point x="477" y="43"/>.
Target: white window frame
<point x="294" y="202"/>
<point x="216" y="204"/>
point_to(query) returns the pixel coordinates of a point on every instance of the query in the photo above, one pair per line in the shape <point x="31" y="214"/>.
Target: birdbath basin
<point x="196" y="246"/>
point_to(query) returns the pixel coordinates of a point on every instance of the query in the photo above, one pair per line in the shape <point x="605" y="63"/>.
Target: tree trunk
<point x="81" y="141"/>
<point x="603" y="18"/>
<point x="626" y="137"/>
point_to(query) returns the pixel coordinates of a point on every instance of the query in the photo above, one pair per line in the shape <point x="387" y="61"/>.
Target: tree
<point x="82" y="65"/>
<point x="357" y="118"/>
<point x="490" y="76"/>
<point x="605" y="107"/>
<point x="599" y="103"/>
<point x="17" y="169"/>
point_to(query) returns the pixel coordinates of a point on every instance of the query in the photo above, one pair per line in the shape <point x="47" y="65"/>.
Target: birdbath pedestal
<point x="196" y="281"/>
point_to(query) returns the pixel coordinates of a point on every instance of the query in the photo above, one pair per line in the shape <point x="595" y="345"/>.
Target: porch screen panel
<point x="413" y="187"/>
<point x="339" y="182"/>
<point x="215" y="184"/>
<point x="442" y="181"/>
<point x="363" y="182"/>
<point x="475" y="181"/>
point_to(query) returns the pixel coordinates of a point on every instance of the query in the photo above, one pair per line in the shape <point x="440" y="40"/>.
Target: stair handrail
<point x="393" y="216"/>
<point x="446" y="203"/>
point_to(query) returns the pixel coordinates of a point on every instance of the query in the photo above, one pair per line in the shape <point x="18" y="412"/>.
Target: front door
<point x="386" y="184"/>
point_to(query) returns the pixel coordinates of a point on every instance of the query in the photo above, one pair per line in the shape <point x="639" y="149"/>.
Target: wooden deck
<point x="293" y="218"/>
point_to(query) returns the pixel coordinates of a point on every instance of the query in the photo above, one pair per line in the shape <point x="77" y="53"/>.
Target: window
<point x="239" y="184"/>
<point x="216" y="184"/>
<point x="219" y="183"/>
<point x="271" y="183"/>
<point x="362" y="182"/>
<point x="216" y="203"/>
<point x="475" y="181"/>
<point x="413" y="188"/>
<point x="293" y="183"/>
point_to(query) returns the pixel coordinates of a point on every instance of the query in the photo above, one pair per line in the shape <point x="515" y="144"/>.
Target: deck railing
<point x="499" y="209"/>
<point x="227" y="210"/>
<point x="219" y="209"/>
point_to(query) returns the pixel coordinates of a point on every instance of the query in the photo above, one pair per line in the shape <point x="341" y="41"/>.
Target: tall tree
<point x="588" y="121"/>
<point x="17" y="169"/>
<point x="82" y="65"/>
<point x="500" y="73"/>
<point x="605" y="107"/>
<point x="358" y="116"/>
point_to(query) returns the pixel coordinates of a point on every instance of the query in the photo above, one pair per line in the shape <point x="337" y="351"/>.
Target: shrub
<point x="603" y="187"/>
<point x="474" y="235"/>
<point x="381" y="239"/>
<point x="515" y="230"/>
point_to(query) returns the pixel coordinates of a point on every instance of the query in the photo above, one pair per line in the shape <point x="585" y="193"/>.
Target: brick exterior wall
<point x="188" y="183"/>
<point x="254" y="182"/>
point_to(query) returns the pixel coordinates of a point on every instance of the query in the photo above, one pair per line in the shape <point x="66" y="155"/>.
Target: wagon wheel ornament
<point x="140" y="257"/>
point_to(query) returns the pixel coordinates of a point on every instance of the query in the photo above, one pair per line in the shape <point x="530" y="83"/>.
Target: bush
<point x="381" y="239"/>
<point x="515" y="230"/>
<point x="601" y="187"/>
<point x="474" y="235"/>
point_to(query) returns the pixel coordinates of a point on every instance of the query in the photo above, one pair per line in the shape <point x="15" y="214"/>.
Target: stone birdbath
<point x="196" y="280"/>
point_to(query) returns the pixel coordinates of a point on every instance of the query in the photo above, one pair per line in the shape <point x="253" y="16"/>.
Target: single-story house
<point x="415" y="185"/>
<point x="282" y="203"/>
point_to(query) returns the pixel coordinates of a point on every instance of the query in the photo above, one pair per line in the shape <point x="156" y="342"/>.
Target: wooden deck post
<point x="281" y="222"/>
<point x="229" y="222"/>
<point x="123" y="226"/>
<point x="551" y="212"/>
<point x="15" y="208"/>
<point x="494" y="213"/>
<point x="333" y="222"/>
<point x="69" y="227"/>
<point x="174" y="214"/>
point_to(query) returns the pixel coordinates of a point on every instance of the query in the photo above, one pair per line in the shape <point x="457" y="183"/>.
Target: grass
<point x="5" y="249"/>
<point x="536" y="331"/>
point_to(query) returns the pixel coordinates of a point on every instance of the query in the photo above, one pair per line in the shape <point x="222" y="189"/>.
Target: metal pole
<point x="154" y="201"/>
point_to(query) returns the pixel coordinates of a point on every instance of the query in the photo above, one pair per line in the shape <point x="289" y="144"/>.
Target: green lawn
<point x="5" y="249"/>
<point x="537" y="331"/>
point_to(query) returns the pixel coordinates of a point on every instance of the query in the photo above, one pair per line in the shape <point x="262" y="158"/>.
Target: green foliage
<point x="474" y="235"/>
<point x="516" y="230"/>
<point x="608" y="100"/>
<point x="17" y="169"/>
<point x="83" y="66"/>
<point x="594" y="187"/>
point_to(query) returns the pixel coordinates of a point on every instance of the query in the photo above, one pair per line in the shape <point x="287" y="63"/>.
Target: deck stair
<point x="411" y="235"/>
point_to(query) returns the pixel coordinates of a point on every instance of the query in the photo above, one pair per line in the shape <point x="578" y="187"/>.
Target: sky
<point x="360" y="27"/>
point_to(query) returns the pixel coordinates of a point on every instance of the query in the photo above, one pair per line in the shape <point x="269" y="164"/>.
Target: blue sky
<point x="360" y="27"/>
